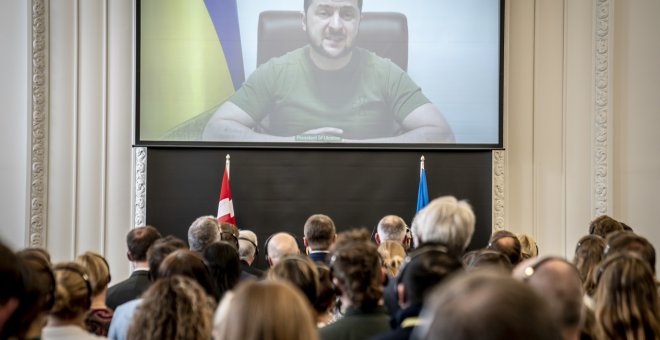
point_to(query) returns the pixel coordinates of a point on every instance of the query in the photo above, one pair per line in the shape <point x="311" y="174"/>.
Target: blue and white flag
<point x="423" y="191"/>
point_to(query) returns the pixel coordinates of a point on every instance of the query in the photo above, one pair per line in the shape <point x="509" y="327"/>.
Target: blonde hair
<point x="173" y="308"/>
<point x="393" y="254"/>
<point x="98" y="270"/>
<point x="528" y="246"/>
<point x="267" y="310"/>
<point x="72" y="291"/>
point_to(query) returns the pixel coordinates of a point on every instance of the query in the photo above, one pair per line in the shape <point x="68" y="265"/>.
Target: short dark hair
<point x="603" y="225"/>
<point x="159" y="250"/>
<point x="319" y="230"/>
<point x="188" y="263"/>
<point x="139" y="240"/>
<point x="309" y="3"/>
<point x="426" y="267"/>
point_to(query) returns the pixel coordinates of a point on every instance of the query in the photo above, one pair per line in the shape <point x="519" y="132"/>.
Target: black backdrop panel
<point x="276" y="190"/>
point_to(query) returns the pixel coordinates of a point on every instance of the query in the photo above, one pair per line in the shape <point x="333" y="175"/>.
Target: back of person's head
<point x="392" y="227"/>
<point x="445" y="220"/>
<point x="425" y="268"/>
<point x="188" y="263"/>
<point x="310" y="2"/>
<point x="485" y="305"/>
<point x="327" y="295"/>
<point x="273" y="310"/>
<point x="31" y="252"/>
<point x="176" y="307"/>
<point x="73" y="291"/>
<point x="626" y="299"/>
<point x="620" y="241"/>
<point x="139" y="240"/>
<point x="356" y="271"/>
<point x="588" y="254"/>
<point x="603" y="225"/>
<point x="489" y="259"/>
<point x="222" y="261"/>
<point x="247" y="245"/>
<point x="558" y="283"/>
<point x="507" y="243"/>
<point x="38" y="298"/>
<point x="319" y="231"/>
<point x="279" y="245"/>
<point x="301" y="272"/>
<point x="159" y="251"/>
<point x="528" y="246"/>
<point x="98" y="270"/>
<point x="202" y="232"/>
<point x="229" y="233"/>
<point x="11" y="284"/>
<point x="392" y="254"/>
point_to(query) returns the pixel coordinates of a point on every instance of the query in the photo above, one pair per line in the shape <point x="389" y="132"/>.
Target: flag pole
<point x="421" y="164"/>
<point x="227" y="164"/>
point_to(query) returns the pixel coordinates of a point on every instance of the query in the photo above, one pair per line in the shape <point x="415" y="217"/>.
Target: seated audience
<point x="138" y="241"/>
<point x="393" y="228"/>
<point x="248" y="250"/>
<point x="485" y="305"/>
<point x="300" y="271"/>
<point x="424" y="268"/>
<point x="621" y="241"/>
<point x="393" y="254"/>
<point x="202" y="232"/>
<point x="558" y="283"/>
<point x="279" y="245"/>
<point x="356" y="272"/>
<point x="603" y="225"/>
<point x="588" y="254"/>
<point x="99" y="317"/>
<point x="258" y="310"/>
<point x="73" y="299"/>
<point x="490" y="259"/>
<point x="507" y="243"/>
<point x="222" y="261"/>
<point x="528" y="246"/>
<point x="175" y="307"/>
<point x="320" y="234"/>
<point x="626" y="299"/>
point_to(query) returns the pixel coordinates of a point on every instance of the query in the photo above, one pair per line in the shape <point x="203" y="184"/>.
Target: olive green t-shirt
<point x="368" y="98"/>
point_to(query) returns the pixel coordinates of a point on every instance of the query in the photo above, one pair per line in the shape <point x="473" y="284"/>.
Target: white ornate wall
<point x="580" y="109"/>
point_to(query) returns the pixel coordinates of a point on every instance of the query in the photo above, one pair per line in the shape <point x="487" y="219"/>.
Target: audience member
<point x="424" y="268"/>
<point x="621" y="241"/>
<point x="356" y="272"/>
<point x="392" y="253"/>
<point x="300" y="271"/>
<point x="248" y="249"/>
<point x="222" y="261"/>
<point x="489" y="259"/>
<point x="603" y="225"/>
<point x="325" y="301"/>
<point x="175" y="307"/>
<point x="507" y="243"/>
<point x="31" y="252"/>
<point x="394" y="228"/>
<point x="10" y="284"/>
<point x="528" y="246"/>
<point x="485" y="305"/>
<point x="320" y="234"/>
<point x="73" y="299"/>
<point x="626" y="299"/>
<point x="99" y="317"/>
<point x="229" y="233"/>
<point x="558" y="283"/>
<point x="259" y="310"/>
<point x="188" y="263"/>
<point x="447" y="221"/>
<point x="280" y="245"/>
<point x="202" y="232"/>
<point x="138" y="241"/>
<point x="588" y="254"/>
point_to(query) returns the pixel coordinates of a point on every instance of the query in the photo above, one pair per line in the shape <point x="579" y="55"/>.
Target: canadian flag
<point x="226" y="206"/>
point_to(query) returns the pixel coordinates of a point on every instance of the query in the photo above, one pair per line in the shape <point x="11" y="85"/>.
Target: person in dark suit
<point x="138" y="242"/>
<point x="320" y="233"/>
<point x="247" y="251"/>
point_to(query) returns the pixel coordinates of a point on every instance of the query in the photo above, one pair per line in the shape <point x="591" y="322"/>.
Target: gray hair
<point x="392" y="227"/>
<point x="445" y="220"/>
<point x="247" y="244"/>
<point x="204" y="231"/>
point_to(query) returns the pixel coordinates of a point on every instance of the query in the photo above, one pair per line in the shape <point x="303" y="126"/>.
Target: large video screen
<point x="319" y="73"/>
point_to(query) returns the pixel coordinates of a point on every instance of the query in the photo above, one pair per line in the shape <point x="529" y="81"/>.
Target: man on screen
<point x="329" y="91"/>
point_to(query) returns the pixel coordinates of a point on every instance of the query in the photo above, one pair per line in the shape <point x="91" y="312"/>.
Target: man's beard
<point x="348" y="48"/>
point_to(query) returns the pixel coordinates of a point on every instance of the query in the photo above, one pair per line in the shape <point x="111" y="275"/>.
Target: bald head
<point x="558" y="282"/>
<point x="280" y="245"/>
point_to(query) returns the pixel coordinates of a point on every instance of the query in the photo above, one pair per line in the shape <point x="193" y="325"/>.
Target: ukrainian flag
<point x="190" y="60"/>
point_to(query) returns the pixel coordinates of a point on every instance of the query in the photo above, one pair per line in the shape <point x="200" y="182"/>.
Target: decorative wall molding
<point x="140" y="186"/>
<point x="602" y="106"/>
<point x="498" y="189"/>
<point x="39" y="126"/>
